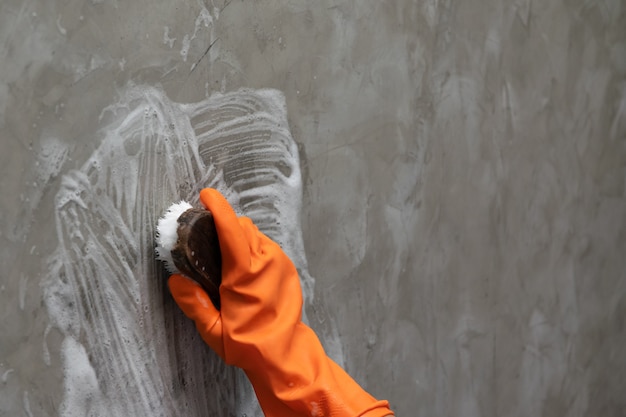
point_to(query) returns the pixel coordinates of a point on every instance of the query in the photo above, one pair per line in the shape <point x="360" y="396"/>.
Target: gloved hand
<point x="259" y="327"/>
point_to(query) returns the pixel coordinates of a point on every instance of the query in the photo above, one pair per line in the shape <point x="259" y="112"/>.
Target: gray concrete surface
<point x="463" y="212"/>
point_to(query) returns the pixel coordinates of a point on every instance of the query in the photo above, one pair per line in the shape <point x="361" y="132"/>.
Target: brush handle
<point x="197" y="252"/>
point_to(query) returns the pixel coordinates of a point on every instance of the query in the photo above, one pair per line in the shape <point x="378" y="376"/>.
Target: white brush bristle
<point x="167" y="234"/>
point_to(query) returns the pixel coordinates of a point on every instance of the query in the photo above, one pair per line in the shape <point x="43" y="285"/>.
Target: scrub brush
<point x="187" y="243"/>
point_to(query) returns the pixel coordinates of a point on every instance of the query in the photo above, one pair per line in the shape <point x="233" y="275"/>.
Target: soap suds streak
<point x="127" y="348"/>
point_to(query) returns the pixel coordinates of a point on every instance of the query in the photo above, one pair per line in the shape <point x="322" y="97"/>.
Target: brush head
<point x="167" y="234"/>
<point x="188" y="244"/>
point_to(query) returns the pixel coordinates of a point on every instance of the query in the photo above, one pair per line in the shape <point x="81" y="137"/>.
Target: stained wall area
<point x="448" y="176"/>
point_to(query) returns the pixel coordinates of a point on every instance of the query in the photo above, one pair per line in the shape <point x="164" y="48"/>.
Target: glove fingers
<point x="196" y="305"/>
<point x="233" y="243"/>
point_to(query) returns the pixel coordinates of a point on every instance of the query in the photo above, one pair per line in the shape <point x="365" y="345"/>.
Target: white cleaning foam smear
<point x="127" y="345"/>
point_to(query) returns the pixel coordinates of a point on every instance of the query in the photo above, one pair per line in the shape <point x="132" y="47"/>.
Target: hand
<point x="259" y="327"/>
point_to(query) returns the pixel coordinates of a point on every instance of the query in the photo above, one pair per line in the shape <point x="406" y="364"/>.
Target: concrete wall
<point x="456" y="203"/>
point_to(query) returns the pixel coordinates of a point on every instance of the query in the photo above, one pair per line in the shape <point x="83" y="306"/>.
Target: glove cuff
<point x="306" y="382"/>
<point x="378" y="409"/>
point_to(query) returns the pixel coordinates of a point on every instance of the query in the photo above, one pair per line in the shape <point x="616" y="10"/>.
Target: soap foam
<point x="128" y="350"/>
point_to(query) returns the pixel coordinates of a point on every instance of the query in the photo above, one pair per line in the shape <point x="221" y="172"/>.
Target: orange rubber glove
<point x="259" y="327"/>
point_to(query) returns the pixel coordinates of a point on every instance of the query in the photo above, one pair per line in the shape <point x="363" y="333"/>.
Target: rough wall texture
<point x="463" y="170"/>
